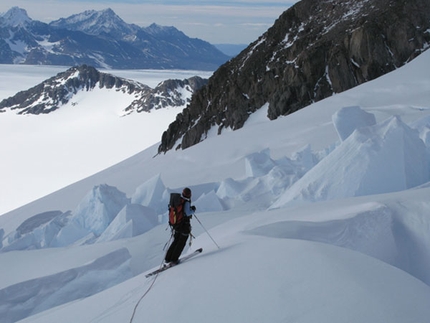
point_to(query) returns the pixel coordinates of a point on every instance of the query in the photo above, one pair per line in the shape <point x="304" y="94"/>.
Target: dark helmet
<point x="186" y="193"/>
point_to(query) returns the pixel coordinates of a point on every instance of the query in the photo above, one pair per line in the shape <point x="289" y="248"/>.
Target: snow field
<point x="321" y="216"/>
<point x="85" y="136"/>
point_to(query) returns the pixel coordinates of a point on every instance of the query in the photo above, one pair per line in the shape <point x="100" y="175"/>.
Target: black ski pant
<point x="180" y="238"/>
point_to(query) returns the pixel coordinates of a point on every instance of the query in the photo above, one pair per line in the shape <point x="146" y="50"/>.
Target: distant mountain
<point x="15" y="17"/>
<point x="97" y="23"/>
<point x="101" y="39"/>
<point x="314" y="50"/>
<point x="59" y="90"/>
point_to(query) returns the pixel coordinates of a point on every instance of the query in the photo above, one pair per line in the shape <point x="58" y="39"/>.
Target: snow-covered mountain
<point x="101" y="39"/>
<point x="322" y="215"/>
<point x="97" y="23"/>
<point x="68" y="144"/>
<point x="15" y="17"/>
<point x="62" y="89"/>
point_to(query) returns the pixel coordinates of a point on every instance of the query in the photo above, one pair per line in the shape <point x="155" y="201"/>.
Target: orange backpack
<point x="176" y="209"/>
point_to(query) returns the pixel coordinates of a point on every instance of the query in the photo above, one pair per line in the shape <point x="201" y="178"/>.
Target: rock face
<point x="51" y="94"/>
<point x="314" y="49"/>
<point x="169" y="93"/>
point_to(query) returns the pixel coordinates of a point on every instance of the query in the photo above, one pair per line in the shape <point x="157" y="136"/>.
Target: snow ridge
<point x="36" y="295"/>
<point x="356" y="167"/>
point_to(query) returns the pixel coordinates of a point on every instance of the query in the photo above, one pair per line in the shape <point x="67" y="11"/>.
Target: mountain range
<point x="101" y="39"/>
<point x="61" y="89"/>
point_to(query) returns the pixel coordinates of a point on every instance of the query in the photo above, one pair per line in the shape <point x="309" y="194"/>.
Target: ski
<point x="170" y="265"/>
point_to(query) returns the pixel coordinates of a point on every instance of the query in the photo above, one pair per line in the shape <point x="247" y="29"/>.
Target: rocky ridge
<point x="59" y="90"/>
<point x="314" y="50"/>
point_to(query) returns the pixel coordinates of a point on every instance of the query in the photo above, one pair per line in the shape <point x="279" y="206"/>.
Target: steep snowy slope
<point x="347" y="256"/>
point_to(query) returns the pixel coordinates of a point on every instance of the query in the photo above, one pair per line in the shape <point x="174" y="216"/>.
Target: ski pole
<point x="206" y="231"/>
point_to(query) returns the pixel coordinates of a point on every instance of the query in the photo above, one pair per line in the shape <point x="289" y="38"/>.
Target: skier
<point x="182" y="229"/>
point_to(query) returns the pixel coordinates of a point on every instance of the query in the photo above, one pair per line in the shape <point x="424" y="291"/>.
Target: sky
<point x="218" y="22"/>
<point x="320" y="216"/>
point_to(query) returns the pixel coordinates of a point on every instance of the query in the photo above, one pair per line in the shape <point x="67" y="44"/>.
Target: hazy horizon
<point x="233" y="22"/>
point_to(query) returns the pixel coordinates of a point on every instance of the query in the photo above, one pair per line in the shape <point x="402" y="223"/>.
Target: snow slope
<point x="85" y="136"/>
<point x="321" y="216"/>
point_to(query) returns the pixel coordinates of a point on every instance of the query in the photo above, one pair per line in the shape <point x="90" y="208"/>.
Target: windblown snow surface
<point x="321" y="216"/>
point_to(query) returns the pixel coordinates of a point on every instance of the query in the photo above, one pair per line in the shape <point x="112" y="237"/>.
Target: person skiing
<point x="182" y="229"/>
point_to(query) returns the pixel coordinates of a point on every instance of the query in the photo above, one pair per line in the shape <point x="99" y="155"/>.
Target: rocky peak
<point x="157" y="30"/>
<point x="15" y="17"/>
<point x="59" y="90"/>
<point x="169" y="93"/>
<point x="313" y="50"/>
<point x="95" y="23"/>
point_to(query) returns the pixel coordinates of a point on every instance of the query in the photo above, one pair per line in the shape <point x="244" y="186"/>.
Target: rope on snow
<point x="150" y="286"/>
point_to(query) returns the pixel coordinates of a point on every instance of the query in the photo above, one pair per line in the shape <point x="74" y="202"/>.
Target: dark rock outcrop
<point x="314" y="49"/>
<point x="169" y="93"/>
